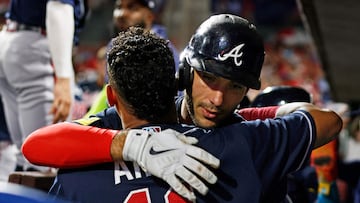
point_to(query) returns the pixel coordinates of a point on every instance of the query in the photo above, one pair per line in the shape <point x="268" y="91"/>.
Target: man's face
<point x="213" y="99"/>
<point x="129" y="13"/>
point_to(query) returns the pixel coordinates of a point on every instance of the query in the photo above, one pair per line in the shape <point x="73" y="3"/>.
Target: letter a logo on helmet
<point x="235" y="53"/>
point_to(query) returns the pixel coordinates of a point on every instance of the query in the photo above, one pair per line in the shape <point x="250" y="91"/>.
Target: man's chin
<point x="205" y="123"/>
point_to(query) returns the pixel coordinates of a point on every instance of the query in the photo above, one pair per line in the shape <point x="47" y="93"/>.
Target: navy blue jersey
<point x="254" y="156"/>
<point x="33" y="13"/>
<point x="109" y="118"/>
<point x="28" y="12"/>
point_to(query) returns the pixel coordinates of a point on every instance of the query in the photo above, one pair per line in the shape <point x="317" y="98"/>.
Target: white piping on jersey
<point x="288" y="198"/>
<point x="195" y="129"/>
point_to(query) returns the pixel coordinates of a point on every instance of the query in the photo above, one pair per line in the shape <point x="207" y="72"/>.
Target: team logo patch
<point x="154" y="129"/>
<point x="235" y="53"/>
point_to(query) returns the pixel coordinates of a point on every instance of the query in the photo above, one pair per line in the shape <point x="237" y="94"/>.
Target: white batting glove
<point x="169" y="154"/>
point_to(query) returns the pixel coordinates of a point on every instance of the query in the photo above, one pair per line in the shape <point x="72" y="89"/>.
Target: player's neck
<point x="184" y="114"/>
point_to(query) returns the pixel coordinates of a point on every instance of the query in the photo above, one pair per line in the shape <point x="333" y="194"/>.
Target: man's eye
<point x="238" y="86"/>
<point x="208" y="77"/>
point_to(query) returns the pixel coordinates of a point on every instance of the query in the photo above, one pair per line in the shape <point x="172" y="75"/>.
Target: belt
<point x="13" y="26"/>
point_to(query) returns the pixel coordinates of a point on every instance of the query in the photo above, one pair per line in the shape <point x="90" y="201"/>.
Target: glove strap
<point x="134" y="144"/>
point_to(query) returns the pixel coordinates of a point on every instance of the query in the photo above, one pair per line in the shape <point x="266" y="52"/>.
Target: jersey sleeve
<point x="66" y="145"/>
<point x="281" y="145"/>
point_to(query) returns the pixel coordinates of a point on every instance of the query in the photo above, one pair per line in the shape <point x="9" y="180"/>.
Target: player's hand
<point x="62" y="100"/>
<point x="170" y="155"/>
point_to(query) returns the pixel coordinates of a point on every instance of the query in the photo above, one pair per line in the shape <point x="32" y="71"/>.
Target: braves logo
<point x="235" y="53"/>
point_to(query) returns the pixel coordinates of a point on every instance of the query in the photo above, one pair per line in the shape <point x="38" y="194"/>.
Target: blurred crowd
<point x="291" y="59"/>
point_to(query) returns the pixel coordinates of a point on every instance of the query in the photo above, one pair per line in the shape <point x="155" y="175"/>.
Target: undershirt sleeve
<point x="261" y="113"/>
<point x="66" y="145"/>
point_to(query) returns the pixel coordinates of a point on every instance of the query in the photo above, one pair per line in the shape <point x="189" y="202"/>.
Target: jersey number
<point x="143" y="196"/>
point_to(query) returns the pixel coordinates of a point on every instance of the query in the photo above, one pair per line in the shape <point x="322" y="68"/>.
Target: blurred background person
<point x="36" y="70"/>
<point x="7" y="149"/>
<point x="349" y="155"/>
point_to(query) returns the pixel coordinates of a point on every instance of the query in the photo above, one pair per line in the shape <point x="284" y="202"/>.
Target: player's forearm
<point x="117" y="145"/>
<point x="60" y="33"/>
<point x="67" y="145"/>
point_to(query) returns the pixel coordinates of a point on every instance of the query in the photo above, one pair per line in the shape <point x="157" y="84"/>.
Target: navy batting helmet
<point x="279" y="95"/>
<point x="225" y="45"/>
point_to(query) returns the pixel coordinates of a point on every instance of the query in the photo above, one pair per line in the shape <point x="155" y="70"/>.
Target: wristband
<point x="134" y="144"/>
<point x="258" y="112"/>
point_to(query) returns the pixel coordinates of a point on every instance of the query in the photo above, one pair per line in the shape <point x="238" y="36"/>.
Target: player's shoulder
<point x="107" y="118"/>
<point x="87" y="121"/>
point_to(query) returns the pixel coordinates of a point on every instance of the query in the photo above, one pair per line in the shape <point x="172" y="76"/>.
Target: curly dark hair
<point x="142" y="71"/>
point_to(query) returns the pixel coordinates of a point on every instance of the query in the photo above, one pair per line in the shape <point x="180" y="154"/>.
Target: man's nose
<point x="217" y="97"/>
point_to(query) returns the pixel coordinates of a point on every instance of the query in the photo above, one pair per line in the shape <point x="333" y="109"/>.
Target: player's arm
<point x="73" y="145"/>
<point x="66" y="145"/>
<point x="60" y="27"/>
<point x="328" y="124"/>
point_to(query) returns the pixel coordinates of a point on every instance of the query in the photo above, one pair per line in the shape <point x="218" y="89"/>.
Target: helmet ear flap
<point x="184" y="76"/>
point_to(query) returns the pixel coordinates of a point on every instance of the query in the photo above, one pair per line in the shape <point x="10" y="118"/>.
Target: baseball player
<point x="36" y="72"/>
<point x="254" y="154"/>
<point x="213" y="89"/>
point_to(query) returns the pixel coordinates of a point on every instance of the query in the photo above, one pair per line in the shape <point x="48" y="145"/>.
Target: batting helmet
<point x="278" y="95"/>
<point x="225" y="45"/>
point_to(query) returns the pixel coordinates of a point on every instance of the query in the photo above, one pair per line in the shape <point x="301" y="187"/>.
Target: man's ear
<point x="111" y="96"/>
